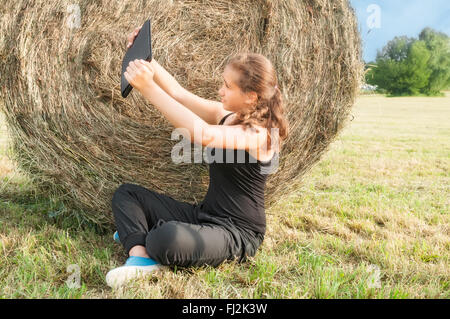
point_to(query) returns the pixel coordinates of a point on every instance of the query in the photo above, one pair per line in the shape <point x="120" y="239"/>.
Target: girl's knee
<point x="167" y="244"/>
<point x="121" y="190"/>
<point x="125" y="187"/>
<point x="162" y="236"/>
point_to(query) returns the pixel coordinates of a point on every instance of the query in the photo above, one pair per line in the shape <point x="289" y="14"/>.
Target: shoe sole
<point x="119" y="276"/>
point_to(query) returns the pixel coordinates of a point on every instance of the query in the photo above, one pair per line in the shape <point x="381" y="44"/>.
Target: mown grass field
<point x="370" y="221"/>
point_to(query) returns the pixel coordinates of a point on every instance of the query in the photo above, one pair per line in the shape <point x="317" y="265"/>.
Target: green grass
<point x="369" y="221"/>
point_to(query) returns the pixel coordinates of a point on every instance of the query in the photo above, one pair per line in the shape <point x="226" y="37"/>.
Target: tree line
<point x="412" y="66"/>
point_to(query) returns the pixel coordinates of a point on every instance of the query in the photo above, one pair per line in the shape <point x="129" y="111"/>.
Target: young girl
<point x="230" y="223"/>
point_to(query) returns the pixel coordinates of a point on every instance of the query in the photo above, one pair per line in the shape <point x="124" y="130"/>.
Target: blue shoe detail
<point x="140" y="261"/>
<point x="116" y="237"/>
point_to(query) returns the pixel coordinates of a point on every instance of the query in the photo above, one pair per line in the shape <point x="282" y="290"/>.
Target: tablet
<point x="140" y="49"/>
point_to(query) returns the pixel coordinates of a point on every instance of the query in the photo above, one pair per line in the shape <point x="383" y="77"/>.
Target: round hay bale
<point x="75" y="135"/>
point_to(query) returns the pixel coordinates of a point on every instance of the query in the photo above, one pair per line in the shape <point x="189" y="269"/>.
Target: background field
<point x="370" y="221"/>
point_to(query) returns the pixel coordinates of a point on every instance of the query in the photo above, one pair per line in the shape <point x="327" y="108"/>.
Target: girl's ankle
<point x="138" y="251"/>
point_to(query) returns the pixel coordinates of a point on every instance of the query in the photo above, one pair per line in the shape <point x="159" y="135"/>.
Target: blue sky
<point x="391" y="18"/>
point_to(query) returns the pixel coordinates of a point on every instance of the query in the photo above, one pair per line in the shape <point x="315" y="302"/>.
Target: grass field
<point x="370" y="221"/>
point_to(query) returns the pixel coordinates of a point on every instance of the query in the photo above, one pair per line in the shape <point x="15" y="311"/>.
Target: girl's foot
<point x="134" y="267"/>
<point x="116" y="237"/>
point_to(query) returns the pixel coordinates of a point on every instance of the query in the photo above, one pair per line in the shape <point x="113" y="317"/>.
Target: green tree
<point x="417" y="69"/>
<point x="396" y="49"/>
<point x="409" y="66"/>
<point x="438" y="44"/>
<point x="401" y="67"/>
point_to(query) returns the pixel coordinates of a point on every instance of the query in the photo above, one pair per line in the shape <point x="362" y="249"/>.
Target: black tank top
<point x="236" y="186"/>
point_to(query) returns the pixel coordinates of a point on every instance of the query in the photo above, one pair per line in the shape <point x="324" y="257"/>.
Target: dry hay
<point x="77" y="137"/>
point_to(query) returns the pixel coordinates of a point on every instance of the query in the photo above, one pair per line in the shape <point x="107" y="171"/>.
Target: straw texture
<point x="78" y="139"/>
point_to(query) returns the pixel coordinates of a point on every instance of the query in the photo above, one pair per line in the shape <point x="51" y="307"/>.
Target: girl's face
<point x="233" y="99"/>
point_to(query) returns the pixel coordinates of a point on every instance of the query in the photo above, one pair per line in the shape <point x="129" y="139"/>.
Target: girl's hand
<point x="140" y="74"/>
<point x="132" y="36"/>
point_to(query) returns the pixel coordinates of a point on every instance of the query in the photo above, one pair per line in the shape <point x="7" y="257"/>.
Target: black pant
<point x="178" y="233"/>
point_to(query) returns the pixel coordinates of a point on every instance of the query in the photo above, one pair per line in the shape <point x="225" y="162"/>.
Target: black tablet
<point x="140" y="49"/>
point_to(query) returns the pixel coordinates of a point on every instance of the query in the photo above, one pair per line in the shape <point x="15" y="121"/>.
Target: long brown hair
<point x="257" y="74"/>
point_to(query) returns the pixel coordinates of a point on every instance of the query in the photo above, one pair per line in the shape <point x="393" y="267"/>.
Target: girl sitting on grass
<point x="230" y="223"/>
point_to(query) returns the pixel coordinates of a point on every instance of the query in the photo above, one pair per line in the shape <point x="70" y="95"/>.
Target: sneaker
<point x="134" y="267"/>
<point x="116" y="237"/>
